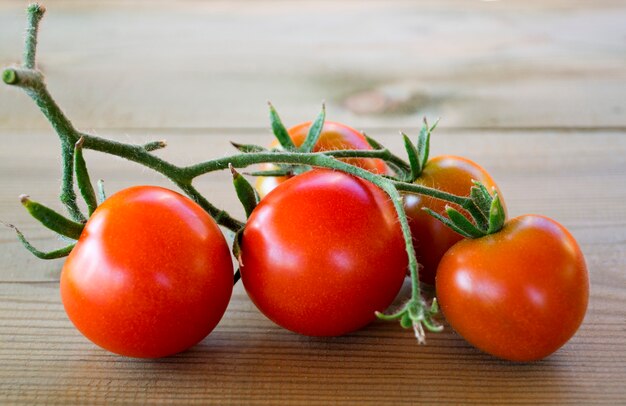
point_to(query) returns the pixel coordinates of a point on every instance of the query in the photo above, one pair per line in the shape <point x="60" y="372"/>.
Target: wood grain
<point x="248" y="360"/>
<point x="214" y="64"/>
<point x="533" y="91"/>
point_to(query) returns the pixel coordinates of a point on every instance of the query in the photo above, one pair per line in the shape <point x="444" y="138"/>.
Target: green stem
<point x="33" y="83"/>
<point x="35" y="13"/>
<point x="383" y="154"/>
<point x="83" y="179"/>
<point x="436" y="193"/>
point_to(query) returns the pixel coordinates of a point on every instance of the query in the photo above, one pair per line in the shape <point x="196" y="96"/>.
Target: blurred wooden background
<point x="534" y="91"/>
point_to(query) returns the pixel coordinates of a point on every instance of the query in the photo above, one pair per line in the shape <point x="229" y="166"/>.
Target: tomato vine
<point x="414" y="313"/>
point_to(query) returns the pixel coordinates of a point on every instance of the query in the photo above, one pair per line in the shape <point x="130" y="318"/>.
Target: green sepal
<point x="52" y="220"/>
<point x="236" y="250"/>
<point x="248" y="148"/>
<point x="373" y="143"/>
<point x="405" y="320"/>
<point x="102" y="196"/>
<point x="497" y="216"/>
<point x="247" y="195"/>
<point x="414" y="314"/>
<point x="446" y="221"/>
<point x="82" y="177"/>
<point x="314" y="132"/>
<point x="423" y="146"/>
<point x="413" y="155"/>
<point x="463" y="223"/>
<point x="481" y="197"/>
<point x="280" y="131"/>
<point x="60" y="253"/>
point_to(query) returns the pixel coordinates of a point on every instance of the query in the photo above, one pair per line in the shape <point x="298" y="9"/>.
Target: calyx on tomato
<point x="316" y="136"/>
<point x="520" y="293"/>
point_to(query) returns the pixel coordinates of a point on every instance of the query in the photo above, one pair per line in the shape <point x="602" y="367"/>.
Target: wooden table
<point x="534" y="91"/>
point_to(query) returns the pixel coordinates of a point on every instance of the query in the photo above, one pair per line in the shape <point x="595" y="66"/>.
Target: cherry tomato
<point x="518" y="294"/>
<point x="151" y="274"/>
<point x="334" y="136"/>
<point x="431" y="238"/>
<point x="322" y="252"/>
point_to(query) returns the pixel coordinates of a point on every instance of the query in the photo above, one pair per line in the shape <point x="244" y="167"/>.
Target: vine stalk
<point x="414" y="313"/>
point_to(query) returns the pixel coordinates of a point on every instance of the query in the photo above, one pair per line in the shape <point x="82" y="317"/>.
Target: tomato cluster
<point x="321" y="253"/>
<point x="151" y="274"/>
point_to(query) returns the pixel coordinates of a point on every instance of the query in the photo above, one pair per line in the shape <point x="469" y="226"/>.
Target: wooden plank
<point x="248" y="360"/>
<point x="576" y="177"/>
<point x="214" y="64"/>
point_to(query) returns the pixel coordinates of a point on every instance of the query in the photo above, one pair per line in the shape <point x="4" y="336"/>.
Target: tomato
<point x="322" y="252"/>
<point x="334" y="136"/>
<point x="518" y="294"/>
<point x="431" y="238"/>
<point x="151" y="274"/>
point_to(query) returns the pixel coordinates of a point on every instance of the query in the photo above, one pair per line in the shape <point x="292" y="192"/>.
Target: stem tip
<point x="24" y="199"/>
<point x="9" y="76"/>
<point x="36" y="8"/>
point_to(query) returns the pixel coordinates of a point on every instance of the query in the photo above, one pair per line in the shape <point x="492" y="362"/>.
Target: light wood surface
<point x="534" y="91"/>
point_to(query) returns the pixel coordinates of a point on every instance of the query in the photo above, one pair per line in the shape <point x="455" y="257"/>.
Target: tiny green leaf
<point x="60" y="253"/>
<point x="82" y="177"/>
<point x="247" y="195"/>
<point x="481" y="196"/>
<point x="51" y="219"/>
<point x="405" y="320"/>
<point x="463" y="223"/>
<point x="314" y="132"/>
<point x="497" y="216"/>
<point x="412" y="153"/>
<point x="237" y="252"/>
<point x="279" y="130"/>
<point x="447" y="222"/>
<point x="248" y="148"/>
<point x="423" y="145"/>
<point x="373" y="143"/>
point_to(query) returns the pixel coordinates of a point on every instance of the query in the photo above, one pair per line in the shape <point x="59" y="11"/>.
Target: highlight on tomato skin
<point x="519" y="294"/>
<point x="150" y="276"/>
<point x="322" y="252"/>
<point x="431" y="238"/>
<point x="334" y="136"/>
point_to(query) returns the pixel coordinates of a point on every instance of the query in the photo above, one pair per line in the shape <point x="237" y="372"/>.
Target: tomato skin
<point x="519" y="294"/>
<point x="334" y="136"/>
<point x="431" y="238"/>
<point x="322" y="252"/>
<point x="151" y="275"/>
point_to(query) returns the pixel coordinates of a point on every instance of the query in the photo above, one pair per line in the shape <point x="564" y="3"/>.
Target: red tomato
<point x="518" y="294"/>
<point x="322" y="252"/>
<point x="150" y="276"/>
<point x="431" y="238"/>
<point x="334" y="136"/>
